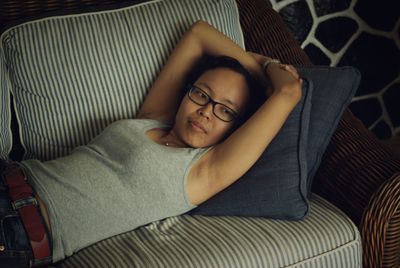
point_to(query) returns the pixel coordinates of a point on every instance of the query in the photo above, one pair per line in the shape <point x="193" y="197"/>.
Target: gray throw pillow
<point x="279" y="183"/>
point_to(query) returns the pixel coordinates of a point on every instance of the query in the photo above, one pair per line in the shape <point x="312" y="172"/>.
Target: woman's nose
<point x="206" y="110"/>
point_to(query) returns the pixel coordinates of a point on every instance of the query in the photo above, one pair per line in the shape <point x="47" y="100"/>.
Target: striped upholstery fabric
<point x="5" y="112"/>
<point x="112" y="57"/>
<point x="326" y="238"/>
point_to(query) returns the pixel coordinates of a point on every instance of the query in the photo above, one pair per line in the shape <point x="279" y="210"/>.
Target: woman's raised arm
<point x="229" y="160"/>
<point x="162" y="101"/>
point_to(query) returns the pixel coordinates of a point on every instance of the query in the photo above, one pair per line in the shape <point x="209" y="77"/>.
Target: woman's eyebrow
<point x="223" y="100"/>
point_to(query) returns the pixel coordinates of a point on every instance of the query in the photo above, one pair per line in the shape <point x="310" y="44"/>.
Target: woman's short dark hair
<point x="256" y="91"/>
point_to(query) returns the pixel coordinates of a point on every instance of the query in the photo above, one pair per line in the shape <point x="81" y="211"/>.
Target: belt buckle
<point x="24" y="202"/>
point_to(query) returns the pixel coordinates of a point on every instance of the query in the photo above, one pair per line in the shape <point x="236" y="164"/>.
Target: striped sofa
<point x="354" y="219"/>
<point x="326" y="238"/>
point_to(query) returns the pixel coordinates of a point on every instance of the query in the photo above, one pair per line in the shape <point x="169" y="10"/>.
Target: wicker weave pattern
<point x="19" y="11"/>
<point x="384" y="208"/>
<point x="265" y="32"/>
<point x="391" y="256"/>
<point x="355" y="163"/>
<point x="354" y="166"/>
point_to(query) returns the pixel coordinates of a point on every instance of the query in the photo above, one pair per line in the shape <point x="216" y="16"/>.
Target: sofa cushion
<point x="73" y="75"/>
<point x="326" y="238"/>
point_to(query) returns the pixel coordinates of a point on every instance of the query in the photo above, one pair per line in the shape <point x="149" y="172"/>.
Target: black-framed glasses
<point x="220" y="110"/>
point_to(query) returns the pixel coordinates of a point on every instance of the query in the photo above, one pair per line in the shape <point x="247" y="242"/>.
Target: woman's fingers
<point x="291" y="70"/>
<point x="287" y="67"/>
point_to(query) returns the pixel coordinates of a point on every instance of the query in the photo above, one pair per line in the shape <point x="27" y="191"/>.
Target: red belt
<point x="24" y="201"/>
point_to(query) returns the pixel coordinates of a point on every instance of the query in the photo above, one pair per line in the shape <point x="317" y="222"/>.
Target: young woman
<point x="188" y="142"/>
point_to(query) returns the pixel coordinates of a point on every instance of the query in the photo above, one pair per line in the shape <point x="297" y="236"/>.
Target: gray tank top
<point x="119" y="181"/>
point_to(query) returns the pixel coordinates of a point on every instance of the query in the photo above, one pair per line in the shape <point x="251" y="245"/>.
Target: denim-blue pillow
<point x="278" y="184"/>
<point x="334" y="88"/>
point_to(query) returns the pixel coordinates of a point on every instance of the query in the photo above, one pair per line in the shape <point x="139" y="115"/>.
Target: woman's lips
<point x="197" y="126"/>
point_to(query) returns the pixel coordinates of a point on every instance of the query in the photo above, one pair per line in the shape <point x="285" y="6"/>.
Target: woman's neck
<point x="172" y="139"/>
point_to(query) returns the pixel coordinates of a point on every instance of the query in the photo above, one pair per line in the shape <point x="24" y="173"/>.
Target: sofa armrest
<point x="361" y="175"/>
<point x="380" y="226"/>
<point x="354" y="165"/>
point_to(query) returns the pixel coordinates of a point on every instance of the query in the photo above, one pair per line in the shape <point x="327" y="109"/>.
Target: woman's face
<point x="196" y="125"/>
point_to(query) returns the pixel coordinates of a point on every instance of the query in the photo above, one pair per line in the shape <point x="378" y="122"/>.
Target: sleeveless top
<point x="119" y="181"/>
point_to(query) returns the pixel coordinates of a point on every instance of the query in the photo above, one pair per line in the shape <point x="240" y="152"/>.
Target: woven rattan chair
<point x="358" y="173"/>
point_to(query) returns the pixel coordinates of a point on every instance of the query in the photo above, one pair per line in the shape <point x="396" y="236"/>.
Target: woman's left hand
<point x="282" y="78"/>
<point x="285" y="81"/>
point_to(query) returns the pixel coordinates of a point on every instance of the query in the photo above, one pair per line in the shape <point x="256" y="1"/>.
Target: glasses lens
<point x="224" y="112"/>
<point x="198" y="96"/>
